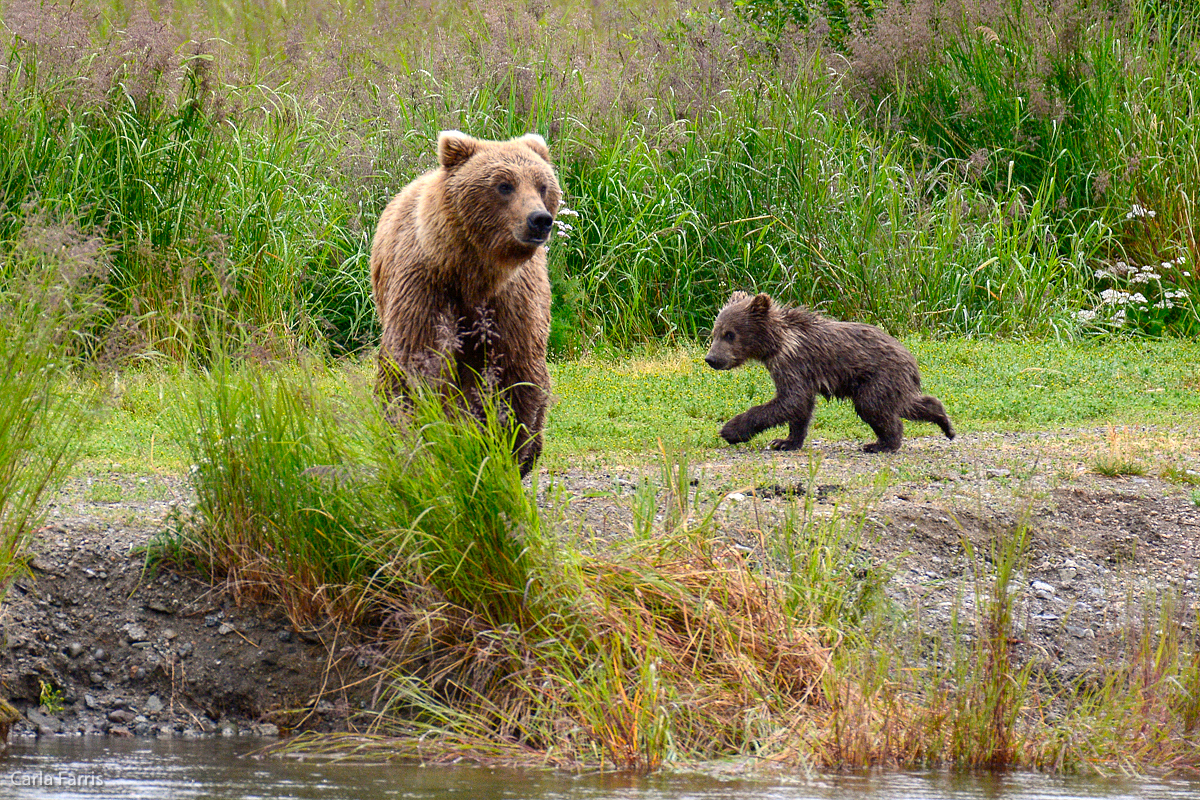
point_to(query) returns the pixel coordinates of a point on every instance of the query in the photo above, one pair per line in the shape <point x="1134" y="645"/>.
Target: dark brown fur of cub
<point x="808" y="354"/>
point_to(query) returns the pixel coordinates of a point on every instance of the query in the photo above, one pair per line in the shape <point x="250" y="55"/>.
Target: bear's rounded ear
<point x="455" y="147"/>
<point x="761" y="303"/>
<point x="536" y="143"/>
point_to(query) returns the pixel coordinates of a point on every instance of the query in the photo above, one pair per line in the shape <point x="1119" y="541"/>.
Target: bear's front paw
<point x="785" y="444"/>
<point x="736" y="431"/>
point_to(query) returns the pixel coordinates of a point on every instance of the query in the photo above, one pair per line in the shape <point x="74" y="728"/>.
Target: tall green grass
<point x="211" y="227"/>
<point x="44" y="417"/>
<point x="974" y="169"/>
<point x="320" y="504"/>
<point x="1053" y="105"/>
<point x="809" y="207"/>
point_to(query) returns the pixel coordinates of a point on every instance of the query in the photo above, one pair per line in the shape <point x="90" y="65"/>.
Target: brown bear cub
<point x="808" y="354"/>
<point x="458" y="275"/>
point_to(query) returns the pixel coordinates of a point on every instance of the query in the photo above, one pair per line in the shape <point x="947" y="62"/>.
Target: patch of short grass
<point x="1180" y="474"/>
<point x="1121" y="455"/>
<point x="1115" y="467"/>
<point x="105" y="491"/>
<point x="620" y="404"/>
<point x="626" y="402"/>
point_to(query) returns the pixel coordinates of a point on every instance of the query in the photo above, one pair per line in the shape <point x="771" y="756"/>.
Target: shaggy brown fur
<point x="808" y="354"/>
<point x="458" y="273"/>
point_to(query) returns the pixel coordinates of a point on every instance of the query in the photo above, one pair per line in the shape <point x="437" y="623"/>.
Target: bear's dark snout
<point x="538" y="224"/>
<point x="714" y="362"/>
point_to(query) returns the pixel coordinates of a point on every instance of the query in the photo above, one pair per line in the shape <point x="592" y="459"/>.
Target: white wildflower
<point x="563" y="211"/>
<point x="1085" y="315"/>
<point x="1139" y="211"/>
<point x="1138" y="298"/>
<point x="1100" y="274"/>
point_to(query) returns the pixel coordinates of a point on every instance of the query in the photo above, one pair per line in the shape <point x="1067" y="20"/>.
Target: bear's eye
<point x="505" y="188"/>
<point x="542" y="190"/>
<point x="728" y="336"/>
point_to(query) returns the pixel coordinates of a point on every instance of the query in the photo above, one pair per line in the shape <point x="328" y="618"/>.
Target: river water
<point x="218" y="768"/>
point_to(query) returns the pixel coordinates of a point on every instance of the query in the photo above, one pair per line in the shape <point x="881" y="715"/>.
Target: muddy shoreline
<point x="96" y="644"/>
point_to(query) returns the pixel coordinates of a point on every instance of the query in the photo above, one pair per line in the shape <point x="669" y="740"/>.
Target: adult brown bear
<point x="808" y="354"/>
<point x="458" y="275"/>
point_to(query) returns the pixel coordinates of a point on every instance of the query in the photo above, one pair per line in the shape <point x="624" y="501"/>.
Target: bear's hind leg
<point x="529" y="443"/>
<point x="888" y="427"/>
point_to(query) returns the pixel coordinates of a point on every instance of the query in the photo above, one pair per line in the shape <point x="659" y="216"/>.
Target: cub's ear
<point x="455" y="147"/>
<point x="737" y="297"/>
<point x="536" y="143"/>
<point x="761" y="304"/>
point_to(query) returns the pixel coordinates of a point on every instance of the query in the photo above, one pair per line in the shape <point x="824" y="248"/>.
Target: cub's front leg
<point x="779" y="411"/>
<point x="744" y="426"/>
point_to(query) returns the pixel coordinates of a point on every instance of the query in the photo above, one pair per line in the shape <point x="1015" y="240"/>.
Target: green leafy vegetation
<point x="50" y="698"/>
<point x="958" y="167"/>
